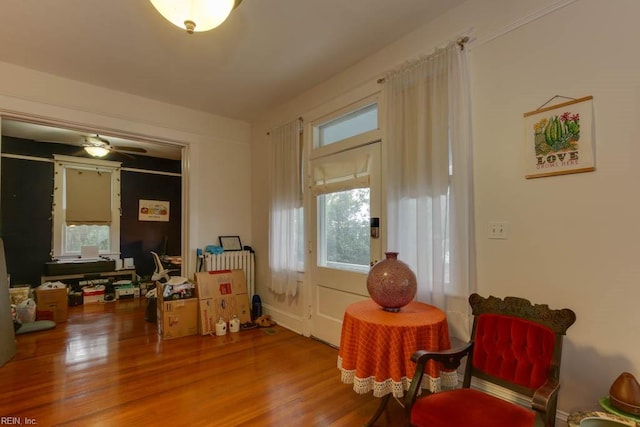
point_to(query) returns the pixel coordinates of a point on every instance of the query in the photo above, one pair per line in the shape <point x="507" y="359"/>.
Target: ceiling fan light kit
<point x="98" y="146"/>
<point x="195" y="15"/>
<point x="96" y="151"/>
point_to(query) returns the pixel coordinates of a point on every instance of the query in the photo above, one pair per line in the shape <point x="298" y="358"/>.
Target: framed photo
<point x="230" y="243"/>
<point x="153" y="210"/>
<point x="560" y="139"/>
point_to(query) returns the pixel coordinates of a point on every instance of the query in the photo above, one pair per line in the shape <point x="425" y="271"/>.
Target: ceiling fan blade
<point x="123" y="154"/>
<point x="129" y="148"/>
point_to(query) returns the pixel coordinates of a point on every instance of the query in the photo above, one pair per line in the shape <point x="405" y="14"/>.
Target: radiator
<point x="233" y="260"/>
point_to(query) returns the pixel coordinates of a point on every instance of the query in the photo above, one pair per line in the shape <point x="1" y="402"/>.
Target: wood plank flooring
<point x="106" y="366"/>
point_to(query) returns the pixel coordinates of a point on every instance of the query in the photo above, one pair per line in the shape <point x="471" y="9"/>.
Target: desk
<point x="376" y="348"/>
<point x="175" y="260"/>
<point x="92" y="276"/>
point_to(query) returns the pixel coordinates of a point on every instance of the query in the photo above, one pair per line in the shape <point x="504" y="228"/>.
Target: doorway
<point x="20" y="131"/>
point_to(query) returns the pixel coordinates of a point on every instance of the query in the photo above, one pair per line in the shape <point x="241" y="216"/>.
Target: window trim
<point x="58" y="235"/>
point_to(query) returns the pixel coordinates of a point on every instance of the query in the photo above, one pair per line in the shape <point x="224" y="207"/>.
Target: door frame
<point x="188" y="258"/>
<point x="362" y="140"/>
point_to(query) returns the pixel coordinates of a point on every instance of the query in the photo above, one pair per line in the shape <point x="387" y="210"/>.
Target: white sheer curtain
<point x="429" y="178"/>
<point x="286" y="202"/>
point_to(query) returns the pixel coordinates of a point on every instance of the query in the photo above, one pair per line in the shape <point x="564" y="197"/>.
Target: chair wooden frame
<point x="543" y="399"/>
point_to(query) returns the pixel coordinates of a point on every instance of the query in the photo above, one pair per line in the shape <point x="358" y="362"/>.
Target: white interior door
<point x="342" y="242"/>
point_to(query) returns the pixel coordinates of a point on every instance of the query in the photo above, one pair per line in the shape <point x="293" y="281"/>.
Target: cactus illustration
<point x="557" y="133"/>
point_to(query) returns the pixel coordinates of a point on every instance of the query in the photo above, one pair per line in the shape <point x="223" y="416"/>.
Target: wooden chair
<point x="515" y="345"/>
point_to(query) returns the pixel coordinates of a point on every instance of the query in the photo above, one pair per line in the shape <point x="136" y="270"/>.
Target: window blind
<point x="341" y="172"/>
<point x="88" y="196"/>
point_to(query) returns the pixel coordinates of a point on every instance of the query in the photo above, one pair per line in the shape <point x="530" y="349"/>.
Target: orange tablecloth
<point x="376" y="347"/>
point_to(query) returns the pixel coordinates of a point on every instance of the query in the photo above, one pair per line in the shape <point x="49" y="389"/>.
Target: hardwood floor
<point x="106" y="366"/>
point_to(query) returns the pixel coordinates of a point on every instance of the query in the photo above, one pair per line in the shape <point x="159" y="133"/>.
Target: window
<point x="86" y="210"/>
<point x="343" y="230"/>
<point x="354" y="123"/>
<point x="342" y="165"/>
<point x="77" y="236"/>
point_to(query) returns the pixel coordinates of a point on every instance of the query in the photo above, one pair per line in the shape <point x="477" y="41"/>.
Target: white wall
<point x="219" y="148"/>
<point x="574" y="239"/>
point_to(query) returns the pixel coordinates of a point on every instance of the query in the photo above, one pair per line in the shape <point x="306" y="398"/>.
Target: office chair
<point x="161" y="274"/>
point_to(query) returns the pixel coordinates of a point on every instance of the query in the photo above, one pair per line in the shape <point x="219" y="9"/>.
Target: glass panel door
<point x="343" y="245"/>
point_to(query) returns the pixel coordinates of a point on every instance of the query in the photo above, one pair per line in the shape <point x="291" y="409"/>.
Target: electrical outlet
<point x="498" y="230"/>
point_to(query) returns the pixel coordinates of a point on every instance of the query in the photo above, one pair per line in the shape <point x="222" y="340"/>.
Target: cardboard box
<point x="177" y="318"/>
<point x="221" y="294"/>
<point x="207" y="316"/>
<point x="244" y="308"/>
<point x="92" y="295"/>
<point x="215" y="284"/>
<point x="19" y="294"/>
<point x="54" y="301"/>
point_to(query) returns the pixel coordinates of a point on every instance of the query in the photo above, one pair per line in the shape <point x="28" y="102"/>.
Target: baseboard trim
<point x="285" y="319"/>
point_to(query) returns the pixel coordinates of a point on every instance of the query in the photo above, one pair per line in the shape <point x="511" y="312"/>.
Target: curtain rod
<point x="300" y="119"/>
<point x="461" y="42"/>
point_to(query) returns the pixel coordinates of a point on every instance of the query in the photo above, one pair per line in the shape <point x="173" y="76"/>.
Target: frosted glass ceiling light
<point x="96" y="151"/>
<point x="195" y="15"/>
<point x="96" y="146"/>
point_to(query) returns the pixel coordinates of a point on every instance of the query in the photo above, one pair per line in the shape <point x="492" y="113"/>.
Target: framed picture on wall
<point x="153" y="210"/>
<point x="560" y="139"/>
<point x="230" y="243"/>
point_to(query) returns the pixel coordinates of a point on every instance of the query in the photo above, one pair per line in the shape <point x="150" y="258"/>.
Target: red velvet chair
<point x="515" y="345"/>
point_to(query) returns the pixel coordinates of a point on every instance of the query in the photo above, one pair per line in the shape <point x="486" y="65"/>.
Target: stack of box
<point x="176" y="317"/>
<point x="221" y="295"/>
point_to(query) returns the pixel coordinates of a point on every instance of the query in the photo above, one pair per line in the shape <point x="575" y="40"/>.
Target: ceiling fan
<point x="97" y="146"/>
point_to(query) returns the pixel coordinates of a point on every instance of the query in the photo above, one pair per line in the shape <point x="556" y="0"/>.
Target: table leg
<point x="383" y="404"/>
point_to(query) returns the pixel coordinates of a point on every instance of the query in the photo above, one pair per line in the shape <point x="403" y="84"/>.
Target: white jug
<point x="221" y="327"/>
<point x="234" y="324"/>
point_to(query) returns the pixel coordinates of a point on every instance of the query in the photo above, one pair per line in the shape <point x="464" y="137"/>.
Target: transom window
<point x="354" y="123"/>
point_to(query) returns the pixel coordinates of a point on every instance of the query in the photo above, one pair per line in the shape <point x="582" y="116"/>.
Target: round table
<point x="376" y="347"/>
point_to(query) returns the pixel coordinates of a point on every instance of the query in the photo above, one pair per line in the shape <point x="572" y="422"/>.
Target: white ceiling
<point x="267" y="52"/>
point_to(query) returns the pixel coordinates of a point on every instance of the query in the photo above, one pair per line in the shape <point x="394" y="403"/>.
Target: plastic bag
<point x="26" y="311"/>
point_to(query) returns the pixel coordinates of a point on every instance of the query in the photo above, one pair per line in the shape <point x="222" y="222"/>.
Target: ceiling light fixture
<point x="96" y="151"/>
<point x="96" y="146"/>
<point x="195" y="15"/>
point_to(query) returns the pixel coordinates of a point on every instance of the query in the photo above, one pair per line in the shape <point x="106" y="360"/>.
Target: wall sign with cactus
<point x="559" y="139"/>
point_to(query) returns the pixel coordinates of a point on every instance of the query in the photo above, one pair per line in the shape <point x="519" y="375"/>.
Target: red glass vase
<point x="391" y="283"/>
